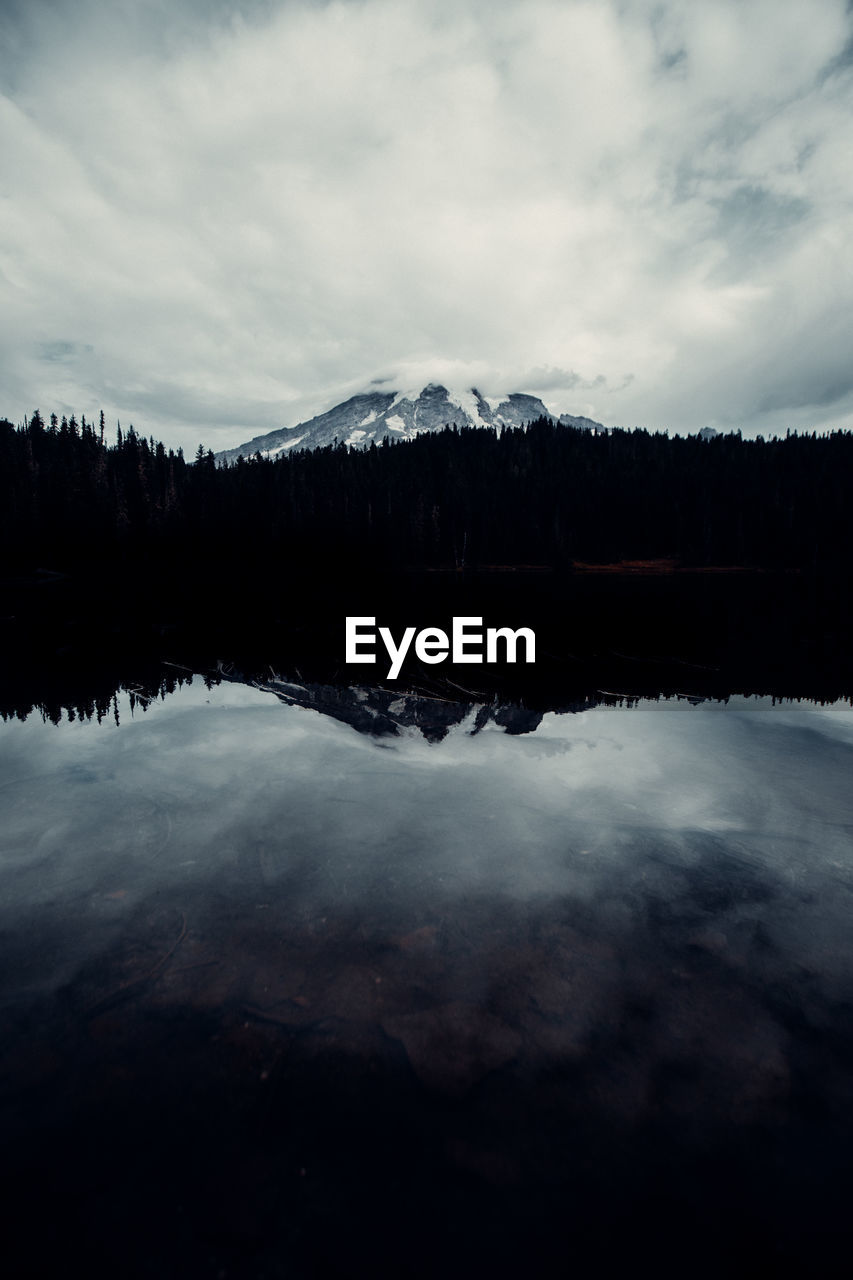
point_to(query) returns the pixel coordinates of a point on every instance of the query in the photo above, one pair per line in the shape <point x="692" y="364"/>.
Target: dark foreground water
<point x="280" y="999"/>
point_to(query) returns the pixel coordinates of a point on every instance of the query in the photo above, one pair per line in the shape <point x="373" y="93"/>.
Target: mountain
<point x="382" y="712"/>
<point x="401" y="415"/>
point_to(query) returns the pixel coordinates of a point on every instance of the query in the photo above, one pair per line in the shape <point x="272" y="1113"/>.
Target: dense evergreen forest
<point x="547" y="495"/>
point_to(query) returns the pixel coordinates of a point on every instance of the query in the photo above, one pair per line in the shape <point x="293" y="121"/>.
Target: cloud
<point x="239" y="213"/>
<point x="62" y="351"/>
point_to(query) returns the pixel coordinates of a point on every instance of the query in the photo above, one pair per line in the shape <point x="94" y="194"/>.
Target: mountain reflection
<point x="432" y="707"/>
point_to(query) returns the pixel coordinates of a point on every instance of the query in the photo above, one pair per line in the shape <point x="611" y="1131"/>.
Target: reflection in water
<point x="281" y="998"/>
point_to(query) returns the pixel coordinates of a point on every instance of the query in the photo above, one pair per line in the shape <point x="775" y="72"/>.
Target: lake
<point x="280" y="998"/>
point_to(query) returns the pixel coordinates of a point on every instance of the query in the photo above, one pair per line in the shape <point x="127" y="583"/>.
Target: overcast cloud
<point x="218" y="219"/>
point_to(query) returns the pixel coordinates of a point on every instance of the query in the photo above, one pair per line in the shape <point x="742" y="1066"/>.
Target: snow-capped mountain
<point x="384" y="712"/>
<point x="401" y="415"/>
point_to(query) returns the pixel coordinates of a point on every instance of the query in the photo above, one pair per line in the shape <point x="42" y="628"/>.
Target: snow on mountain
<point x="401" y="415"/>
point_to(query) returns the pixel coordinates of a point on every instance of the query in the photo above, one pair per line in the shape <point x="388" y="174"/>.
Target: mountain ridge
<point x="372" y="416"/>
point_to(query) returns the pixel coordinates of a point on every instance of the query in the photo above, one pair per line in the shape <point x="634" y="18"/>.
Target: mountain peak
<point x="376" y="414"/>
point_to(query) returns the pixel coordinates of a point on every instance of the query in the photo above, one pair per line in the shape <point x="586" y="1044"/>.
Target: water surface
<point x="280" y="998"/>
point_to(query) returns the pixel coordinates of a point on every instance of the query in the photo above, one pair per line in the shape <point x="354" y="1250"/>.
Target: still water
<point x="279" y="998"/>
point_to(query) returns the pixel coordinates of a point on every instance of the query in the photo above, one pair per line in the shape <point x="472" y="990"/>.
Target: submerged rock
<point x="454" y="1046"/>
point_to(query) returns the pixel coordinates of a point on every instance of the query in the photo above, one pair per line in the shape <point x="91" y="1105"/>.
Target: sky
<point x="217" y="218"/>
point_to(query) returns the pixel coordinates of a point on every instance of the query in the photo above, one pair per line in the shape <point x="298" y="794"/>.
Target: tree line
<point x="544" y="495"/>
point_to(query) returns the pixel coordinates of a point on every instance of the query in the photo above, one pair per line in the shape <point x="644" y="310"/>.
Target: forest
<point x="644" y="563"/>
<point x="546" y="496"/>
